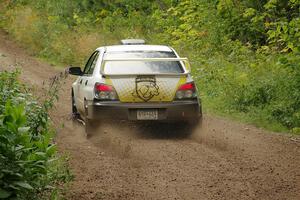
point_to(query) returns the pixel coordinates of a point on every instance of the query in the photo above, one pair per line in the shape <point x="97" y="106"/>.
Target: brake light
<point x="187" y="86"/>
<point x="186" y="91"/>
<point x="105" y="92"/>
<point x="102" y="87"/>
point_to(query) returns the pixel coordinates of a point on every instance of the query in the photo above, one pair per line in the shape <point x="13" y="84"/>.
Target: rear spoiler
<point x="183" y="61"/>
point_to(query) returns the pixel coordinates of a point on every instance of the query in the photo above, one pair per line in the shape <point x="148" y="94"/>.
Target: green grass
<point x="258" y="118"/>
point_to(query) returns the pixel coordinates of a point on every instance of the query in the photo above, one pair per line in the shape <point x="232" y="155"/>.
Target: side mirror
<point x="75" y="71"/>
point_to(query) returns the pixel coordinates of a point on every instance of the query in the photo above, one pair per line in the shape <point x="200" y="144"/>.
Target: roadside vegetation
<point x="30" y="167"/>
<point x="245" y="54"/>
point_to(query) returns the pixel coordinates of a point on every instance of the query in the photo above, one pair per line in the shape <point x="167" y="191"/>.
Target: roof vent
<point x="132" y="42"/>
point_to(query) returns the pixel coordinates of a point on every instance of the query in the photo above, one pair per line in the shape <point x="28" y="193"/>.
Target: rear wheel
<point x="91" y="125"/>
<point x="196" y="122"/>
<point x="75" y="113"/>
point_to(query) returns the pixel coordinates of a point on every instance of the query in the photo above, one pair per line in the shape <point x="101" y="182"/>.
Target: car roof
<point x="116" y="48"/>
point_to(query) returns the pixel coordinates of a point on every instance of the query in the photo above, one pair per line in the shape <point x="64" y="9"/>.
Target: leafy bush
<point x="268" y="22"/>
<point x="29" y="164"/>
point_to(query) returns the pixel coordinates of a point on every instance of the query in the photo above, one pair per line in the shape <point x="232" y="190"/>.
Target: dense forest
<point x="245" y="54"/>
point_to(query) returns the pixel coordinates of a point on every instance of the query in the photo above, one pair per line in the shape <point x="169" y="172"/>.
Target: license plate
<point x="147" y="114"/>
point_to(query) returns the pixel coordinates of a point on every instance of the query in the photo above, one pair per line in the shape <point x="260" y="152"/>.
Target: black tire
<point x="75" y="113"/>
<point x="88" y="128"/>
<point x="91" y="125"/>
<point x="197" y="123"/>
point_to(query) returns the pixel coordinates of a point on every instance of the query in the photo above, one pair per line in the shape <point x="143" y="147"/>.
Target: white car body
<point x="132" y="90"/>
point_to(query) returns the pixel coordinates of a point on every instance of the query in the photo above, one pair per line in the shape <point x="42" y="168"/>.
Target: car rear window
<point x="141" y="67"/>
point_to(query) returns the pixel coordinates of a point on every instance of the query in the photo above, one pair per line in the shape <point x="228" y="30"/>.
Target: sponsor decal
<point x="145" y="88"/>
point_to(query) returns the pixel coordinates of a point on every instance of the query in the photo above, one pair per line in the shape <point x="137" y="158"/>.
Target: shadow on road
<point x="163" y="131"/>
<point x="142" y="130"/>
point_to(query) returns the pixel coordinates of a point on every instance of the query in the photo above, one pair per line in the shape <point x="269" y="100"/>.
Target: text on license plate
<point x="147" y="114"/>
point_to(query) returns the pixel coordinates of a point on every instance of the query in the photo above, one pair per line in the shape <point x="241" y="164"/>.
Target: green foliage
<point x="245" y="54"/>
<point x="268" y="22"/>
<point x="28" y="159"/>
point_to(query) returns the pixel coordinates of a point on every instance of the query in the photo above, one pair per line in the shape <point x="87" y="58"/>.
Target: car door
<point x="84" y="80"/>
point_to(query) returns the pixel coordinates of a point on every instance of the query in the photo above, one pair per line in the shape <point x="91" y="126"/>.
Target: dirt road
<point x="224" y="160"/>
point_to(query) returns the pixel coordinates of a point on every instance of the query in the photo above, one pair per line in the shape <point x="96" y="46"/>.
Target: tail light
<point x="105" y="92"/>
<point x="186" y="91"/>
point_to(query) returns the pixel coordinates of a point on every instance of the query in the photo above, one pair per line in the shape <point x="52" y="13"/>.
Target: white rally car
<point x="134" y="81"/>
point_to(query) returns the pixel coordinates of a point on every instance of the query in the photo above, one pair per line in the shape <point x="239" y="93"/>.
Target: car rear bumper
<point x="174" y="111"/>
